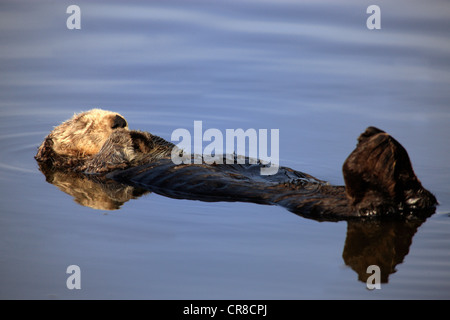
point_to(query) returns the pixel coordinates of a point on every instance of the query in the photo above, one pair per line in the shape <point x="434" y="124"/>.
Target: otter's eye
<point x="119" y="122"/>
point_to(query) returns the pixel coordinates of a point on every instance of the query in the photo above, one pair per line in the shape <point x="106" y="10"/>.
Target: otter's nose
<point x="119" y="122"/>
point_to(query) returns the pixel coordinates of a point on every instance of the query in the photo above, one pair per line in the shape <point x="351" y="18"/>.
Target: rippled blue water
<point x="311" y="69"/>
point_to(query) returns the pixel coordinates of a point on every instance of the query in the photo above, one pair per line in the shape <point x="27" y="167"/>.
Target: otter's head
<point x="379" y="177"/>
<point x="81" y="136"/>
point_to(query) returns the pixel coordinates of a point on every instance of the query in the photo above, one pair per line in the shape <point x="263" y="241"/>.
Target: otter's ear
<point x="378" y="173"/>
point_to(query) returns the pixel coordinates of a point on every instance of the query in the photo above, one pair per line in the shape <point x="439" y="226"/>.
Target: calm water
<point x="311" y="69"/>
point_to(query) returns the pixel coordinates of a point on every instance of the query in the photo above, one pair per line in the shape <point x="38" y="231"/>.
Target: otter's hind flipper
<point x="379" y="177"/>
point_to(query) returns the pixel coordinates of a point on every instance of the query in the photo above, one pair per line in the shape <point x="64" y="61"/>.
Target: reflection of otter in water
<point x="378" y="174"/>
<point x="370" y="241"/>
<point x="92" y="191"/>
<point x="381" y="242"/>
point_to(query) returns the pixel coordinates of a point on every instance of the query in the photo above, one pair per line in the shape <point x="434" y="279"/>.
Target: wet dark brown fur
<point x="378" y="174"/>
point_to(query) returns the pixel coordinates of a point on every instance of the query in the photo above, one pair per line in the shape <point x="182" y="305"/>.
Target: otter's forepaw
<point x="116" y="153"/>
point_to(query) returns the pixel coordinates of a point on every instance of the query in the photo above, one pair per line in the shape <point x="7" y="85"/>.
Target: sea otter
<point x="379" y="179"/>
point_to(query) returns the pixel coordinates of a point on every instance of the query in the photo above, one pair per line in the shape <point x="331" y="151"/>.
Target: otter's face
<point x="85" y="133"/>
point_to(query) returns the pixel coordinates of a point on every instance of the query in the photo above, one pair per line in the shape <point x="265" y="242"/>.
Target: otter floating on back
<point x="378" y="174"/>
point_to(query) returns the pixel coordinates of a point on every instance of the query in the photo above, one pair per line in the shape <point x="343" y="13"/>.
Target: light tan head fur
<point x="85" y="133"/>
